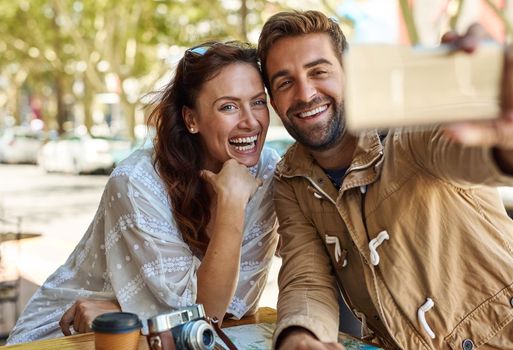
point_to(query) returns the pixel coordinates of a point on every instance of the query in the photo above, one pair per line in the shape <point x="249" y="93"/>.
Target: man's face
<point x="306" y="80"/>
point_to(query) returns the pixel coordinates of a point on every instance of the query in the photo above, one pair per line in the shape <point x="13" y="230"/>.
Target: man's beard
<point x="320" y="137"/>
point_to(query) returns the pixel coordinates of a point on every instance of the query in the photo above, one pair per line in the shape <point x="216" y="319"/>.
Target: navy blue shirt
<point x="336" y="176"/>
<point x="348" y="323"/>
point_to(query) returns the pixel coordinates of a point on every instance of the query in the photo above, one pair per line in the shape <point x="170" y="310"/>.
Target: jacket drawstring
<point x="422" y="318"/>
<point x="338" y="250"/>
<point x="365" y="330"/>
<point x="374" y="244"/>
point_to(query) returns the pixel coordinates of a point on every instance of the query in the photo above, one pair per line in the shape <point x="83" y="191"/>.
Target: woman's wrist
<point x="233" y="204"/>
<point x="238" y="198"/>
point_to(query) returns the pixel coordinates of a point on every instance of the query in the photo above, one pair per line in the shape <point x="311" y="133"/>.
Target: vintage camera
<point x="184" y="329"/>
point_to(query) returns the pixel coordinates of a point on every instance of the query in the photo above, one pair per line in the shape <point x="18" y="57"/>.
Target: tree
<point x="30" y="49"/>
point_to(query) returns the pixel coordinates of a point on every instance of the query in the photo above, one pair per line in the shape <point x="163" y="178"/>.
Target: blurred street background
<point x="76" y="79"/>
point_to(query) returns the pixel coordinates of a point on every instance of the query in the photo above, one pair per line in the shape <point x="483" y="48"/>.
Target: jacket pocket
<point x="484" y="322"/>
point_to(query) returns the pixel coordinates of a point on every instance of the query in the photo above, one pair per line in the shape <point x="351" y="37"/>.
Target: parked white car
<point x="20" y="145"/>
<point x="144" y="137"/>
<point x="78" y="154"/>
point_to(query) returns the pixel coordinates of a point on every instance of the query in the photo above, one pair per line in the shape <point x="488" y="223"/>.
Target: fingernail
<point x="449" y="37"/>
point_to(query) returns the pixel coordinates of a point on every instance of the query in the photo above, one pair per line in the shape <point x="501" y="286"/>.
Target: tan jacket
<point x="434" y="229"/>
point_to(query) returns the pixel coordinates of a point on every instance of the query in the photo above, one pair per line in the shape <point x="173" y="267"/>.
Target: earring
<point x="193" y="130"/>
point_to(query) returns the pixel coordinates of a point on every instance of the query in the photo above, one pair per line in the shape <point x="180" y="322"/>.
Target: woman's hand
<point x="219" y="270"/>
<point x="234" y="181"/>
<point x="82" y="313"/>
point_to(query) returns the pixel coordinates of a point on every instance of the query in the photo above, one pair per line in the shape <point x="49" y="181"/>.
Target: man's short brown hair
<point x="295" y="23"/>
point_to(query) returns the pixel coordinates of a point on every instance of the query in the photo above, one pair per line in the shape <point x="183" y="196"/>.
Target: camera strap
<point x="161" y="341"/>
<point x="215" y="323"/>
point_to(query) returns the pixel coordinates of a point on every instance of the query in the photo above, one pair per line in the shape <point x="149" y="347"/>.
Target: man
<point x="409" y="229"/>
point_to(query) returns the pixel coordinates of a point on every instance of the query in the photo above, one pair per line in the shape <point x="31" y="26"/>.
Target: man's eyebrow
<point x="317" y="62"/>
<point x="285" y="72"/>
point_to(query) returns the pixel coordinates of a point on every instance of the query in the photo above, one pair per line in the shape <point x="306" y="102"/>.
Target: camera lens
<point x="208" y="337"/>
<point x="197" y="335"/>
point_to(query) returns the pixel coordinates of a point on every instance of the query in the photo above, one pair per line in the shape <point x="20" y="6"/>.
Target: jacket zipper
<point x="363" y="166"/>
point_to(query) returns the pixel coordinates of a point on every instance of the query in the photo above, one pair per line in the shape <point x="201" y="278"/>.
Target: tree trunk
<point x="406" y="11"/>
<point x="243" y="20"/>
<point x="129" y="115"/>
<point x="59" y="95"/>
<point x="17" y="105"/>
<point x="87" y="100"/>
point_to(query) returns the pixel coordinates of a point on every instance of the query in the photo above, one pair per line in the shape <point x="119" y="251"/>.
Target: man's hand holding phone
<point x="498" y="132"/>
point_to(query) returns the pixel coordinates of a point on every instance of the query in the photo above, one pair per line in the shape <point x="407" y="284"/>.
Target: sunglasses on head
<point x="202" y="49"/>
<point x="199" y="50"/>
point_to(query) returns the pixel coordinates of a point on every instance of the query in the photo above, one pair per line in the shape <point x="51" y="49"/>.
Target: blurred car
<point x="20" y="145"/>
<point x="80" y="154"/>
<point x="120" y="155"/>
<point x="143" y="139"/>
<point x="279" y="139"/>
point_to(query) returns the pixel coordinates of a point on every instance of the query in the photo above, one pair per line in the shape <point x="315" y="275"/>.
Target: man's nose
<point x="305" y="90"/>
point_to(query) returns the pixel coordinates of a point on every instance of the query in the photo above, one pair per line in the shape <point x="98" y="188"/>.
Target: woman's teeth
<point x="244" y="143"/>
<point x="245" y="148"/>
<point x="313" y="111"/>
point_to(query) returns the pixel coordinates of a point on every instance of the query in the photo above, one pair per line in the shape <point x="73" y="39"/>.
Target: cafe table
<point x="86" y="341"/>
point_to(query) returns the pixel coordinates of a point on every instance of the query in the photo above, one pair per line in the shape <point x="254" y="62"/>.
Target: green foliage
<point x="55" y="42"/>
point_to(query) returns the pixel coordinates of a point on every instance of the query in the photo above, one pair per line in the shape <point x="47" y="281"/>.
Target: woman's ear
<point x="189" y="118"/>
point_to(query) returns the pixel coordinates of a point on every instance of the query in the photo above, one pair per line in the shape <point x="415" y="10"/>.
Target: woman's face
<point x="231" y="116"/>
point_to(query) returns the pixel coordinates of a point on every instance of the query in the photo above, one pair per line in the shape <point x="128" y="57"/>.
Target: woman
<point x="190" y="221"/>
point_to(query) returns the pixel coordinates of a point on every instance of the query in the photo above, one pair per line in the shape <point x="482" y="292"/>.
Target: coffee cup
<point x="116" y="331"/>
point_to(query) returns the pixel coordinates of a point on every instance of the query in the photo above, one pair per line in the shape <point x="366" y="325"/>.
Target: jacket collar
<point x="364" y="169"/>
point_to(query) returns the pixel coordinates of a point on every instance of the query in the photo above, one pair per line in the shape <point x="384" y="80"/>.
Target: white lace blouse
<point x="133" y="252"/>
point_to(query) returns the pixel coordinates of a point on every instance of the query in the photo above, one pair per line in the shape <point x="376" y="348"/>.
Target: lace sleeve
<point x="150" y="268"/>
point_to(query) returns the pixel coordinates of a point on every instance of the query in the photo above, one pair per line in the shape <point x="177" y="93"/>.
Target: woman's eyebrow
<point x="234" y="98"/>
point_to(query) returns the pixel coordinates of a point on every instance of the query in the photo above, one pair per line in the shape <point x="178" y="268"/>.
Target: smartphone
<point x="391" y="85"/>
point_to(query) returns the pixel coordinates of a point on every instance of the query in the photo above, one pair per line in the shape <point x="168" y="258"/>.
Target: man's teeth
<point x="313" y="111"/>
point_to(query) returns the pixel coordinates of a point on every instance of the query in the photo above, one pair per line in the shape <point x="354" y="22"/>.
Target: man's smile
<point x="312" y="112"/>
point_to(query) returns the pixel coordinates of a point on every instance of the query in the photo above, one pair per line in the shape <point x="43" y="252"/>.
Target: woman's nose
<point x="248" y="120"/>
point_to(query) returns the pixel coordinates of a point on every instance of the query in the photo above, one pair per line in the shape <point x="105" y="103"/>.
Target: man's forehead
<point x="300" y="50"/>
